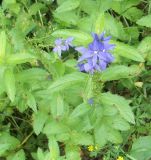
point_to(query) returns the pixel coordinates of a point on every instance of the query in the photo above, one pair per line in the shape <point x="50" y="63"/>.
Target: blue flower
<point x="97" y="56"/>
<point x="68" y="42"/>
<point x="91" y="101"/>
<point x="62" y="45"/>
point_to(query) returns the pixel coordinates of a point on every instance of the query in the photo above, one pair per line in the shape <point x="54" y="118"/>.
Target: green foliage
<point x="141" y="148"/>
<point x="45" y="109"/>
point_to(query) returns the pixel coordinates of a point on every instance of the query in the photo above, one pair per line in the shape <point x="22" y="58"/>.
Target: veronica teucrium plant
<point x="74" y="99"/>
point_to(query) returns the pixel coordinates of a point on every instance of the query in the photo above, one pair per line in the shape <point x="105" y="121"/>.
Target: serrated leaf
<point x="120" y="103"/>
<point x="127" y="51"/>
<point x="133" y="14"/>
<point x="52" y="128"/>
<point x="10" y="84"/>
<point x="145" y="21"/>
<point x="80" y="110"/>
<point x="64" y="83"/>
<point x="82" y="139"/>
<point x="141" y="149"/>
<point x="39" y="120"/>
<point x="120" y="124"/>
<point x="114" y="27"/>
<point x="114" y="136"/>
<point x="19" y="58"/>
<point x="119" y="72"/>
<point x="68" y="5"/>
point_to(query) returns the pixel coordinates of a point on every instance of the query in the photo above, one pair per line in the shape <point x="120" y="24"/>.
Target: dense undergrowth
<point x="58" y="100"/>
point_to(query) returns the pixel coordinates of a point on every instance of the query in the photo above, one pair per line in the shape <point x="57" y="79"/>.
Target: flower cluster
<point x="92" y="148"/>
<point x="120" y="158"/>
<point x="62" y="45"/>
<point x="97" y="56"/>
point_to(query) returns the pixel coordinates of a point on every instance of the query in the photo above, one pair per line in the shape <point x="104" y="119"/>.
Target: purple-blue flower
<point x="68" y="42"/>
<point x="91" y="101"/>
<point x="97" y="56"/>
<point x="62" y="45"/>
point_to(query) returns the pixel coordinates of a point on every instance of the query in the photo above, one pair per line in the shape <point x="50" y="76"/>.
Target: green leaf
<point x="59" y="68"/>
<point x="86" y="24"/>
<point x="68" y="5"/>
<point x="100" y="140"/>
<point x="40" y="154"/>
<point x="88" y="6"/>
<point x="81" y="138"/>
<point x="114" y="136"/>
<point x="141" y="149"/>
<point x="54" y="148"/>
<point x="67" y="18"/>
<point x="32" y="74"/>
<point x="80" y="110"/>
<point x="31" y="102"/>
<point x="114" y="27"/>
<point x="7" y="143"/>
<point x="34" y="8"/>
<point x="145" y="21"/>
<point x="20" y="155"/>
<point x="2" y="86"/>
<point x="88" y="89"/>
<point x="120" y="124"/>
<point x="57" y="105"/>
<point x="119" y="71"/>
<point x="2" y="44"/>
<point x="10" y="83"/>
<point x="120" y="103"/>
<point x="121" y="6"/>
<point x="80" y="38"/>
<point x="104" y="5"/>
<point x="133" y="14"/>
<point x="19" y="58"/>
<point x="53" y="128"/>
<point x="144" y="48"/>
<point x="72" y="152"/>
<point x="39" y="120"/>
<point x="100" y="24"/>
<point x="64" y="83"/>
<point x="127" y="51"/>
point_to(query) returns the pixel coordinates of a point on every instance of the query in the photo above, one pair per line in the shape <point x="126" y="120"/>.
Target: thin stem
<point x="26" y="139"/>
<point x="40" y="16"/>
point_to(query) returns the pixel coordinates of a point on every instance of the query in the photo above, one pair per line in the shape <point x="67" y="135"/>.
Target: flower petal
<point x="82" y="50"/>
<point x="58" y="41"/>
<point x="103" y="65"/>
